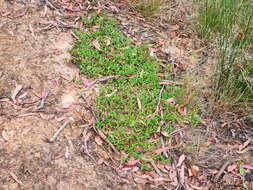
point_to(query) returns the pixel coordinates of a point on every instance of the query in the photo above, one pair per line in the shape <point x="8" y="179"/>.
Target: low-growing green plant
<point x="229" y="24"/>
<point x="127" y="107"/>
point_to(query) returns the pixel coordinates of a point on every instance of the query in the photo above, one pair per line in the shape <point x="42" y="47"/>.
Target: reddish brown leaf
<point x="132" y="163"/>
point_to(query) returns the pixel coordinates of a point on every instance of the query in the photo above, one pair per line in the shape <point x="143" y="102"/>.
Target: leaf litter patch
<point x="196" y="169"/>
<point x="136" y="113"/>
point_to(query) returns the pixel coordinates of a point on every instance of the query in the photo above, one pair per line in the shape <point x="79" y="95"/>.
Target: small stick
<point x="158" y="105"/>
<point x="50" y="5"/>
<point x="154" y="166"/>
<point x="87" y="152"/>
<point x="16" y="179"/>
<point x="100" y="133"/>
<point x="159" y="100"/>
<point x="106" y="78"/>
<point x="222" y="170"/>
<point x="164" y="82"/>
<point x="51" y="140"/>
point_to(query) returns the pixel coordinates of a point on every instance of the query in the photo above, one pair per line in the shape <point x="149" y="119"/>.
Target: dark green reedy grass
<point x="228" y="26"/>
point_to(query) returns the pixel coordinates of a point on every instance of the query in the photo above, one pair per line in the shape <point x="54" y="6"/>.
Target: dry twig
<point x="51" y="140"/>
<point x="218" y="175"/>
<point x="51" y="6"/>
<point x="16" y="179"/>
<point x="98" y="132"/>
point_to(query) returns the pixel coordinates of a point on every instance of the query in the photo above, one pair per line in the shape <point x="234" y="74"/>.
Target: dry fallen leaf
<point x="193" y="170"/>
<point x="165" y="133"/>
<point x="139" y="104"/>
<point x="140" y="180"/>
<point x="132" y="163"/>
<point x="5" y="136"/>
<point x="174" y="27"/>
<point x="15" y="92"/>
<point x="170" y="101"/>
<point x="96" y="44"/>
<point x="99" y="141"/>
<point x="181" y="174"/>
<point x="182" y="110"/>
<point x="232" y="167"/>
<point x="181" y="160"/>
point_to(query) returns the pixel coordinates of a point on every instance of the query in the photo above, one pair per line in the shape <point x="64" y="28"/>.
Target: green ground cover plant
<point x="228" y="24"/>
<point x="129" y="107"/>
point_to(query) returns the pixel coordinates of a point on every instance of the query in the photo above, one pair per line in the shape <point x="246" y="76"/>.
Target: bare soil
<point x="35" y="59"/>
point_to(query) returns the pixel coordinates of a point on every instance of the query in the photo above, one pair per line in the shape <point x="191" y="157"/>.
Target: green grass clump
<point x="125" y="105"/>
<point x="229" y="24"/>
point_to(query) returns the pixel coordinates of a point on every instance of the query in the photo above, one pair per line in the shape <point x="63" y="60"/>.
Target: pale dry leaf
<point x="140" y="180"/>
<point x="168" y="167"/>
<point x="173" y="175"/>
<point x="171" y="101"/>
<point x="139" y="104"/>
<point x="96" y="44"/>
<point x="173" y="27"/>
<point x="190" y="172"/>
<point x="194" y="170"/>
<point x="181" y="160"/>
<point x="126" y="169"/>
<point x="5" y="136"/>
<point x="182" y="110"/>
<point x="99" y="141"/>
<point x="87" y="83"/>
<point x="15" y="92"/>
<point x="108" y="41"/>
<point x="165" y="133"/>
<point x="232" y="167"/>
